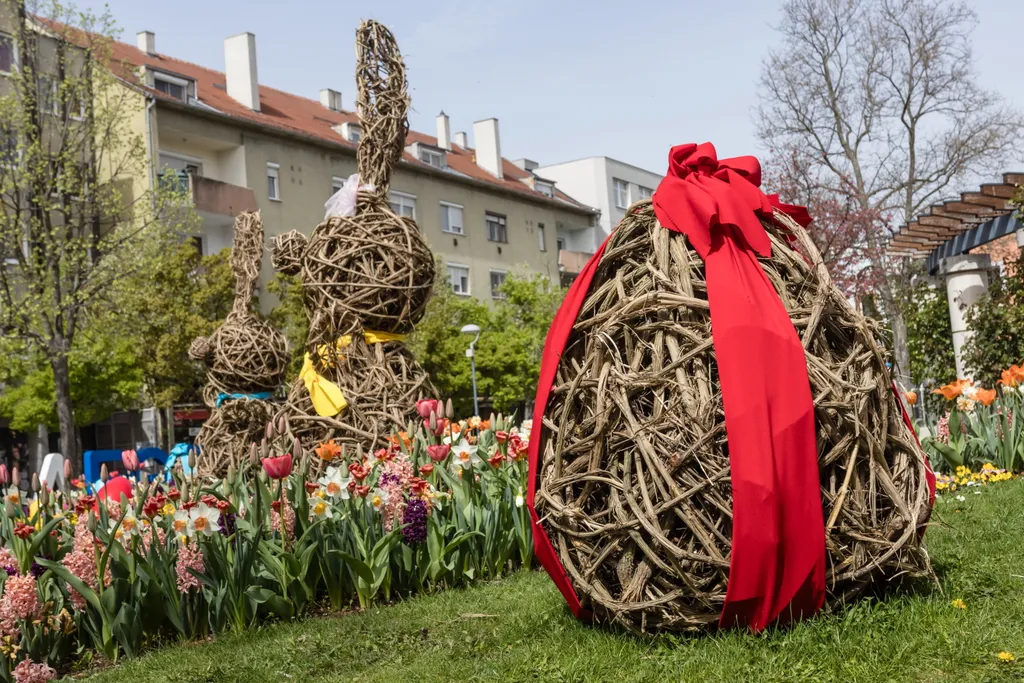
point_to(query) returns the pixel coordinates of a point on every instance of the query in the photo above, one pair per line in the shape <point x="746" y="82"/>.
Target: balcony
<point x="570" y="263"/>
<point x="210" y="196"/>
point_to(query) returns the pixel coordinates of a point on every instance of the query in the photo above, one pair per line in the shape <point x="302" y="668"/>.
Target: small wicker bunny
<point x="245" y="360"/>
<point x="366" y="276"/>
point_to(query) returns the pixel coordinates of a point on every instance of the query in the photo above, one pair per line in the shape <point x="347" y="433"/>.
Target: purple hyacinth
<point x="415" y="521"/>
<point x="227" y="526"/>
<point x="388" y="479"/>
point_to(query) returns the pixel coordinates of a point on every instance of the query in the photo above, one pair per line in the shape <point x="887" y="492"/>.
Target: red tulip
<point x="440" y="426"/>
<point x="23" y="530"/>
<point x="358" y="470"/>
<point x="439" y="453"/>
<point x="279" y="467"/>
<point x="130" y="460"/>
<point x="496" y="459"/>
<point x="426" y="406"/>
<point x="362" y="491"/>
<point x="426" y="469"/>
<point x="5" y="476"/>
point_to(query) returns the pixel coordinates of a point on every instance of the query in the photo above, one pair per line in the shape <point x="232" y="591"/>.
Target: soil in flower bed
<point x="518" y="629"/>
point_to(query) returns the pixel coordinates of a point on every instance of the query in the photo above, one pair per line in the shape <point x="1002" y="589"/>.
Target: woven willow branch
<point x="635" y="487"/>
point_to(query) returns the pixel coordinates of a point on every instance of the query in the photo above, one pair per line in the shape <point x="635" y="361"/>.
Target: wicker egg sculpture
<point x="246" y="359"/>
<point x="366" y="275"/>
<point x="699" y="462"/>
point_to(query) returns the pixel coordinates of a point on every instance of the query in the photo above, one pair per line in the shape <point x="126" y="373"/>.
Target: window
<point x="432" y="156"/>
<point x="7" y="59"/>
<point x="560" y="243"/>
<point x="403" y="204"/>
<point x="644" y="192"/>
<point x="459" y="277"/>
<point x="497" y="280"/>
<point x="47" y="94"/>
<point x="169" y="85"/>
<point x="544" y="188"/>
<point x="355" y="133"/>
<point x="197" y="242"/>
<point x="336" y="184"/>
<point x="621" y="188"/>
<point x="496" y="229"/>
<point x="542" y="238"/>
<point x="273" y="181"/>
<point x="451" y="218"/>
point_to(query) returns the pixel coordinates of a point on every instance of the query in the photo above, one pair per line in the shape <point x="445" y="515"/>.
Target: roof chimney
<point x="240" y="70"/>
<point x="488" y="146"/>
<point x="146" y="41"/>
<point x="444" y="139"/>
<point x="461" y="140"/>
<point x="330" y="99"/>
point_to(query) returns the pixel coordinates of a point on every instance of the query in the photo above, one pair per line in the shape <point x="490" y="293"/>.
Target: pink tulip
<point x="426" y="406"/>
<point x="439" y="453"/>
<point x="279" y="467"/>
<point x="5" y="476"/>
<point x="130" y="460"/>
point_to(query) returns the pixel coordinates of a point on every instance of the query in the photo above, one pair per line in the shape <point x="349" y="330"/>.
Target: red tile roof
<point x="299" y="115"/>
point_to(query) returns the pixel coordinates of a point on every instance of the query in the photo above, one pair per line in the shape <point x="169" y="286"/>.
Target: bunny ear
<point x="246" y="257"/>
<point x="382" y="102"/>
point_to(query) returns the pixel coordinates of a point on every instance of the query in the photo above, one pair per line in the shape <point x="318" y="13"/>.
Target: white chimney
<point x="146" y="41"/>
<point x="444" y="136"/>
<point x="240" y="69"/>
<point x="461" y="140"/>
<point x="330" y="99"/>
<point x="488" y="146"/>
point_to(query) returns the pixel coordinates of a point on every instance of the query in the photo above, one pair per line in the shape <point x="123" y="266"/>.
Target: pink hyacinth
<point x="81" y="561"/>
<point x="189" y="557"/>
<point x="394" y="504"/>
<point x="942" y="429"/>
<point x="397" y="472"/>
<point x="28" y="671"/>
<point x="289" y="521"/>
<point x="20" y="600"/>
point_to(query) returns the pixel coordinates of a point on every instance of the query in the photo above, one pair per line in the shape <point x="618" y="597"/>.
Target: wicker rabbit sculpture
<point x="245" y="360"/>
<point x="366" y="275"/>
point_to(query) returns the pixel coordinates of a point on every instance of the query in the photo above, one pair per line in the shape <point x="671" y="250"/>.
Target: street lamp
<point x="474" y="330"/>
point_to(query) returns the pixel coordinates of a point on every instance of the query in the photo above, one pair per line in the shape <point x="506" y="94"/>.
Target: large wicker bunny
<point x="366" y="275"/>
<point x="245" y="359"/>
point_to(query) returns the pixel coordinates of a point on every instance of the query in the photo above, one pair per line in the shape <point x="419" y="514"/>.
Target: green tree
<point x="290" y="317"/>
<point x="74" y="221"/>
<point x="929" y="340"/>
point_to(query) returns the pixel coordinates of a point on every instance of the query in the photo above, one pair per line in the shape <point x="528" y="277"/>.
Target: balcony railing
<point x="209" y="195"/>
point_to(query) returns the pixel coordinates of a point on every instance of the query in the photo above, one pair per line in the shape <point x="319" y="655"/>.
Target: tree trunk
<point x="901" y="352"/>
<point x="65" y="409"/>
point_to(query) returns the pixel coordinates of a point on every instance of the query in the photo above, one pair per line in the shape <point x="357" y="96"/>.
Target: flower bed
<point x="441" y="506"/>
<point x="980" y="426"/>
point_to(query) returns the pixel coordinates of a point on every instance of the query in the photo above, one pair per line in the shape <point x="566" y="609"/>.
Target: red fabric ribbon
<point x="778" y="555"/>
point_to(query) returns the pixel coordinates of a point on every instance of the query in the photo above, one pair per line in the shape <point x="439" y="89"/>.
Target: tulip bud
<point x="230" y="479"/>
<point x="433" y="421"/>
<point x="44" y="497"/>
<point x="90" y="523"/>
<point x="282" y="425"/>
<point x="35" y="482"/>
<point x="264" y="449"/>
<point x="5" y="476"/>
<point x="68" y="472"/>
<point x="16" y="476"/>
<point x="296" y="448"/>
<point x="492" y="421"/>
<point x="191" y="459"/>
<point x="253" y="451"/>
<point x="448" y="409"/>
<point x="104" y="473"/>
<point x="270" y="430"/>
<point x="440" y="409"/>
<point x="359" y="453"/>
<point x="184" y="490"/>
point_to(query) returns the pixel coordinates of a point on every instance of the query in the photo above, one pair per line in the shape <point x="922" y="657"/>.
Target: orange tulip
<point x="953" y="389"/>
<point x="328" y="450"/>
<point x="911" y="397"/>
<point x="985" y="396"/>
<point x="1012" y="376"/>
<point x="401" y="439"/>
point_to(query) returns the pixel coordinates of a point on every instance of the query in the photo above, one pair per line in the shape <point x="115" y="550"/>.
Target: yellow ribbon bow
<point x="328" y="399"/>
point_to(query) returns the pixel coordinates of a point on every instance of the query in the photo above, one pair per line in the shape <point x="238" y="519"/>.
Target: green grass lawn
<point x="518" y="629"/>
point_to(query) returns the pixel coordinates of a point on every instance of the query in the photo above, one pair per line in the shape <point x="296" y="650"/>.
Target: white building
<point x="604" y="183"/>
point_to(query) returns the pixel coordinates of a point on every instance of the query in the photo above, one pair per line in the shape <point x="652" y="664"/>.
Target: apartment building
<point x="240" y="146"/>
<point x="604" y="183"/>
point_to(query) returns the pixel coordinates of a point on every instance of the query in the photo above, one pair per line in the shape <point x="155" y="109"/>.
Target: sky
<point x="566" y="79"/>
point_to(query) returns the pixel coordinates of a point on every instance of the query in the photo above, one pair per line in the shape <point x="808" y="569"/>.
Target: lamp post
<point x="474" y="330"/>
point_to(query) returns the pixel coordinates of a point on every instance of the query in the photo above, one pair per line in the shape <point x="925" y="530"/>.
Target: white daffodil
<point x="519" y="500"/>
<point x="204" y="519"/>
<point x="377" y="499"/>
<point x="14" y="495"/>
<point x="335" y="483"/>
<point x="465" y="455"/>
<point x="128" y="525"/>
<point x="180" y="525"/>
<point x="319" y="507"/>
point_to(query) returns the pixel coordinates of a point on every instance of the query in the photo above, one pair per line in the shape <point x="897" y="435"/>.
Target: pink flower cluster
<point x="81" y="561"/>
<point x="289" y="520"/>
<point x="20" y="600"/>
<point x="189" y="557"/>
<point x="29" y="672"/>
<point x="942" y="429"/>
<point x="394" y="479"/>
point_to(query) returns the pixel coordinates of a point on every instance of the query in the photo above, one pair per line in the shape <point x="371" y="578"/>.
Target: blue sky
<point x="565" y="79"/>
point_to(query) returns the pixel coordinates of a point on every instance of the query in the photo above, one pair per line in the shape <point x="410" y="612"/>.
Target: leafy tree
<point x="74" y="219"/>
<point x="930" y="341"/>
<point x="877" y="103"/>
<point x="997" y="321"/>
<point x="290" y="317"/>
